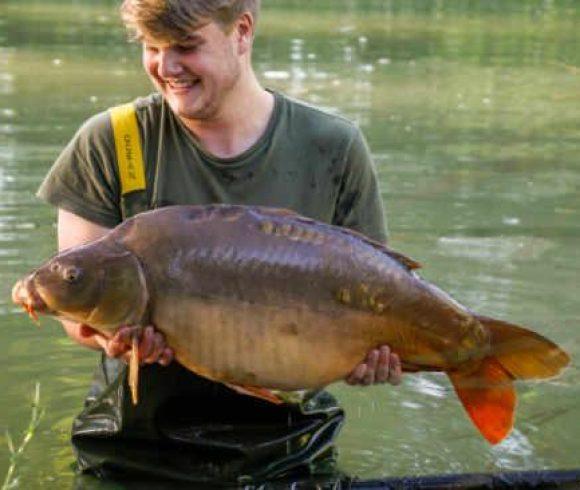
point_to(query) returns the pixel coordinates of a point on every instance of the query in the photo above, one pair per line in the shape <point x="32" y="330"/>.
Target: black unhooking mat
<point x="162" y="440"/>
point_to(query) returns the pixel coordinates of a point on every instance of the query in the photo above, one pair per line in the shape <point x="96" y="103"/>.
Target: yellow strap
<point x="128" y="146"/>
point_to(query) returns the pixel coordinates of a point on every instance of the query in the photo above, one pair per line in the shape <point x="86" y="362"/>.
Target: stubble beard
<point x="215" y="102"/>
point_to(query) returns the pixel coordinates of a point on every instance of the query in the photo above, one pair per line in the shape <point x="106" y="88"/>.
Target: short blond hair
<point x="173" y="20"/>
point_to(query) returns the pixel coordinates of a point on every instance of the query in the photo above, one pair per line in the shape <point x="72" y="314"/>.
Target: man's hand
<point x="380" y="366"/>
<point x="152" y="346"/>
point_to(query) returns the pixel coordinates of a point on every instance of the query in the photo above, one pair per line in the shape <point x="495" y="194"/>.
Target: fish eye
<point x="71" y="274"/>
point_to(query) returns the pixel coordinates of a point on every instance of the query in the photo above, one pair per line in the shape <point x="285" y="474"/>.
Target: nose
<point x="168" y="63"/>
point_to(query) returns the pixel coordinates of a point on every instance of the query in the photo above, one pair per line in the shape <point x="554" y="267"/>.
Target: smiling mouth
<point x="182" y="84"/>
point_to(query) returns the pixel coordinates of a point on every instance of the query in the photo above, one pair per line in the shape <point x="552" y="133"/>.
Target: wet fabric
<point x="312" y="162"/>
<point x="186" y="427"/>
<point x="189" y="428"/>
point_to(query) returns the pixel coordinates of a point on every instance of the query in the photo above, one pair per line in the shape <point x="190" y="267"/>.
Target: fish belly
<point x="278" y="347"/>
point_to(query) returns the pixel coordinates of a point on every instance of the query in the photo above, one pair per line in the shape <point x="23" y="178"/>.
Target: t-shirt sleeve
<point x="84" y="179"/>
<point x="359" y="204"/>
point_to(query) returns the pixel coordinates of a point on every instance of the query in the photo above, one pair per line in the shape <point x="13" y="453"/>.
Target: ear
<point x="244" y="32"/>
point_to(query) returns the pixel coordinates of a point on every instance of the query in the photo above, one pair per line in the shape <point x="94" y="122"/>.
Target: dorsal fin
<point x="403" y="259"/>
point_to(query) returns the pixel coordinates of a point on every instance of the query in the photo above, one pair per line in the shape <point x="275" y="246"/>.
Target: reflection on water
<point x="502" y="248"/>
<point x="471" y="110"/>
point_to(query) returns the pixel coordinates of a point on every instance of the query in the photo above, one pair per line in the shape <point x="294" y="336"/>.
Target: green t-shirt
<point x="310" y="161"/>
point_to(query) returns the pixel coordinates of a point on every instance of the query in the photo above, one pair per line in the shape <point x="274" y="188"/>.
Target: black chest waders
<point x="186" y="427"/>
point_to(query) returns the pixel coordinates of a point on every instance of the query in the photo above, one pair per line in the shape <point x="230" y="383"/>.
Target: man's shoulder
<point x="99" y="125"/>
<point x="319" y="119"/>
<point x="149" y="106"/>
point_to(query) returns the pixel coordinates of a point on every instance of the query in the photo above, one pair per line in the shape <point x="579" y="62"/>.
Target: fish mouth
<point x="26" y="295"/>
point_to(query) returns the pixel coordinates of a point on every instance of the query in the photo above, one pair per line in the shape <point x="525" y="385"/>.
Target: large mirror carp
<point x="262" y="298"/>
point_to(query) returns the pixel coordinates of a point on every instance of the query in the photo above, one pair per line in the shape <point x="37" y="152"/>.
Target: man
<point x="211" y="134"/>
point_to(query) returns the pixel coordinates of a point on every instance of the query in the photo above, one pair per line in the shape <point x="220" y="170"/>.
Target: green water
<point x="472" y="111"/>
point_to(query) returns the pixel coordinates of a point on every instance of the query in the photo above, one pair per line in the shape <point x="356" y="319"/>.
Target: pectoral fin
<point x="134" y="369"/>
<point x="489" y="397"/>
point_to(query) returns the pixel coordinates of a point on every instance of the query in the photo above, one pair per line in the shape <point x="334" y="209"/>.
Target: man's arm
<point x="74" y="231"/>
<point x="360" y="207"/>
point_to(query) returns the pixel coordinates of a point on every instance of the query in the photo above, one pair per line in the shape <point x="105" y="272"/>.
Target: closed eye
<point x="187" y="48"/>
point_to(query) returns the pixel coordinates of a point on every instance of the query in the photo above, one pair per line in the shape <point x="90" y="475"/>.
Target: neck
<point x="242" y="120"/>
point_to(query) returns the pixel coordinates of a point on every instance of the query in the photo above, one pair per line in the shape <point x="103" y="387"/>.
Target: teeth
<point x="181" y="83"/>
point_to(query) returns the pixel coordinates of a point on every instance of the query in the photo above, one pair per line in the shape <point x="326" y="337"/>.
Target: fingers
<point x="120" y="343"/>
<point x="355" y="377"/>
<point x="364" y="373"/>
<point x="166" y="356"/>
<point x="395" y="370"/>
<point x="372" y="362"/>
<point x="380" y="366"/>
<point x="148" y="345"/>
<point x="151" y="348"/>
<point x="384" y="365"/>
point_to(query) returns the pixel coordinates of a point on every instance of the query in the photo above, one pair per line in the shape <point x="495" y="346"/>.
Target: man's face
<point x="196" y="75"/>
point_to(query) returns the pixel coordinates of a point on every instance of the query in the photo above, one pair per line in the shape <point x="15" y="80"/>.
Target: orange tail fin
<point x="489" y="397"/>
<point x="523" y="353"/>
<point x="487" y="392"/>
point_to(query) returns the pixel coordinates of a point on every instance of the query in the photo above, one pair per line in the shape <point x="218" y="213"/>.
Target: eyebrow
<point x="193" y="38"/>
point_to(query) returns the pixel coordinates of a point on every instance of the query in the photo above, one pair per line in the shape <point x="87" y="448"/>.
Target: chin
<point x="189" y="114"/>
<point x="199" y="113"/>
